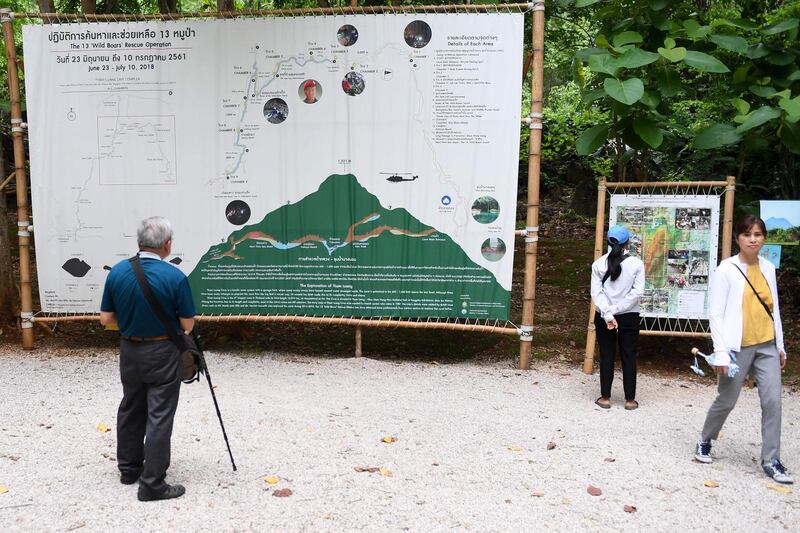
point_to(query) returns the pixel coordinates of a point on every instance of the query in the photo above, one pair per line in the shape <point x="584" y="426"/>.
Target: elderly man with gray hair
<point x="149" y="361"/>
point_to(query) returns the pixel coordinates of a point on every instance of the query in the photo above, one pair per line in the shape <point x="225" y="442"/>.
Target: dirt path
<point x="471" y="451"/>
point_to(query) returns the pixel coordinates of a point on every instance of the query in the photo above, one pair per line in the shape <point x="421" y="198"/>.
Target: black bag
<point x="190" y="355"/>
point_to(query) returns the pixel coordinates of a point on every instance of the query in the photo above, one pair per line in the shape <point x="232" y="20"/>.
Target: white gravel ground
<point x="471" y="450"/>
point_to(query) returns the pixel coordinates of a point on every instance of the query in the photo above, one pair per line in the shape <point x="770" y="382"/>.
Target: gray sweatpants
<point x="762" y="361"/>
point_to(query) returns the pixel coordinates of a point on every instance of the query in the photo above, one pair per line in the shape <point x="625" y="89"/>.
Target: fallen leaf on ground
<point x="565" y="500"/>
<point x="385" y="472"/>
<point x="594" y="491"/>
<point x="710" y="483"/>
<point x="609" y="459"/>
<point x="389" y="440"/>
<point x="370" y="469"/>
<point x="629" y="508"/>
<point x="516" y="448"/>
<point x="282" y="493"/>
<point x="102" y="428"/>
<point x="3" y="489"/>
<point x="537" y="494"/>
<point x="551" y="445"/>
<point x="272" y="480"/>
<point x="783" y="489"/>
<point x="327" y="516"/>
<point x="434" y="362"/>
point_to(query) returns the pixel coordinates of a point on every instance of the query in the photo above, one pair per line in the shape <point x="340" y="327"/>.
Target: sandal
<point x="630" y="405"/>
<point x="603" y="402"/>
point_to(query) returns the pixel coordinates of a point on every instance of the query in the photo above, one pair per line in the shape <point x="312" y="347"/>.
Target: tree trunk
<point x="225" y="6"/>
<point x="111" y="6"/>
<point x="88" y="7"/>
<point x="47" y="6"/>
<point x="324" y="3"/>
<point x="167" y="6"/>
<point x="8" y="292"/>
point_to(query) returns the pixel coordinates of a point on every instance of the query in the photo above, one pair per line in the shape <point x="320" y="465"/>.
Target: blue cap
<point x="619" y="234"/>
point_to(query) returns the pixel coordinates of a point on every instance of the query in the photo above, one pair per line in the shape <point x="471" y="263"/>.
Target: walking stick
<point x="204" y="369"/>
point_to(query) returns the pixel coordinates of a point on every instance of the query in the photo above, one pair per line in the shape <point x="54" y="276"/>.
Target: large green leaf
<point x="584" y="3"/>
<point x="764" y="91"/>
<point x="790" y="137"/>
<point x="758" y="117"/>
<point x="603" y="63"/>
<point x="636" y="57"/>
<point x="648" y="131"/>
<point x="704" y="62"/>
<point x="651" y="99"/>
<point x="591" y="96"/>
<point x="734" y="43"/>
<point x="715" y="136"/>
<point x="757" y="51"/>
<point x="792" y="108"/>
<point x="781" y="58"/>
<point x="694" y="30"/>
<point x="740" y="74"/>
<point x="627" y="92"/>
<point x="585" y="53"/>
<point x="742" y="24"/>
<point x="780" y="27"/>
<point x="658" y="5"/>
<point x="741" y="106"/>
<point x="590" y="140"/>
<point x="673" y="54"/>
<point x="627" y="37"/>
<point x="669" y="82"/>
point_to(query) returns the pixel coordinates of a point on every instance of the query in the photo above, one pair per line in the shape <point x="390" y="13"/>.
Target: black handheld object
<point x="204" y="368"/>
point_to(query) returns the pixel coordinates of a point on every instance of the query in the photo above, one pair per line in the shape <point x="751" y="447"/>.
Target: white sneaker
<point x="778" y="472"/>
<point x="702" y="451"/>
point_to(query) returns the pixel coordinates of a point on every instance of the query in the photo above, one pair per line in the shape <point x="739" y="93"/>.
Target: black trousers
<point x="150" y="388"/>
<point x="627" y="335"/>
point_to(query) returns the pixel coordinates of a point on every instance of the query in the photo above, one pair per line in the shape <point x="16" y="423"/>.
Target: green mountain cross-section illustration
<point x="339" y="252"/>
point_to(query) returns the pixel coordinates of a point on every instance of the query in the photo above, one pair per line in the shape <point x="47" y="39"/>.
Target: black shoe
<point x="173" y="491"/>
<point x="129" y="478"/>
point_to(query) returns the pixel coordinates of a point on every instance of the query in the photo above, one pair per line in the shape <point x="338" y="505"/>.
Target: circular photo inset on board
<point x="347" y="35"/>
<point x="237" y="212"/>
<point x="276" y="110"/>
<point x="310" y="91"/>
<point x="353" y="83"/>
<point x="493" y="249"/>
<point x="485" y="209"/>
<point x="417" y="34"/>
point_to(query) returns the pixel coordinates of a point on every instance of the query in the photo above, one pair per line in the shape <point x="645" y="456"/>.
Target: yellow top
<point x="756" y="324"/>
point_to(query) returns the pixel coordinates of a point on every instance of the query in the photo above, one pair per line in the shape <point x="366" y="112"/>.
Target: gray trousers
<point x="150" y="388"/>
<point x="762" y="361"/>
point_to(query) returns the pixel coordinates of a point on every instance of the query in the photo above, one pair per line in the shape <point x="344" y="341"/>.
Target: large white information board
<point x="332" y="165"/>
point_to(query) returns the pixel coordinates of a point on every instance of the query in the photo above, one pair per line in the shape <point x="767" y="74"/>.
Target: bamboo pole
<point x="663" y="184"/>
<point x="727" y="217"/>
<point x="358" y="341"/>
<point x="319" y="320"/>
<point x="17" y="133"/>
<point x="8" y="180"/>
<point x="341" y="10"/>
<point x="534" y="167"/>
<point x="599" y="226"/>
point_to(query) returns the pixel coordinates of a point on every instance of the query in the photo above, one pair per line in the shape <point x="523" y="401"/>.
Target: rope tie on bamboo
<point x="24" y="227"/>
<point x="27" y="319"/>
<point x="536" y="6"/>
<point x="6" y="15"/>
<point x="525" y="333"/>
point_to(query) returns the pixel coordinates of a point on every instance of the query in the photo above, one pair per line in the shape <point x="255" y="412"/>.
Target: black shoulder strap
<point x="155" y="307"/>
<point x="608" y="273"/>
<point x="765" y="306"/>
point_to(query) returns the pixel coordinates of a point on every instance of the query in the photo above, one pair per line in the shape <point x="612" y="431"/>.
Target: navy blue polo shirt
<point x="122" y="296"/>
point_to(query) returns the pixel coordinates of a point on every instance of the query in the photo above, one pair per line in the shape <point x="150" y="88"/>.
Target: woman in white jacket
<point x="617" y="285"/>
<point x="745" y="322"/>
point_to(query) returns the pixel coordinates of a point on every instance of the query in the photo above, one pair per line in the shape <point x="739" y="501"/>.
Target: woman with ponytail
<point x="617" y="286"/>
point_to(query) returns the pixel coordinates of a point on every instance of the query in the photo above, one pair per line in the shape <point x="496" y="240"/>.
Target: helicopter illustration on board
<point x="396" y="177"/>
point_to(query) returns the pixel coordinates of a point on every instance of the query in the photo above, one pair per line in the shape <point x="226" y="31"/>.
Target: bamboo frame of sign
<point x="534" y="121"/>
<point x="599" y="246"/>
<point x="23" y="223"/>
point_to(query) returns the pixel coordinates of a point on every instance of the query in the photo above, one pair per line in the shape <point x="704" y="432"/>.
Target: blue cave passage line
<point x="254" y="76"/>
